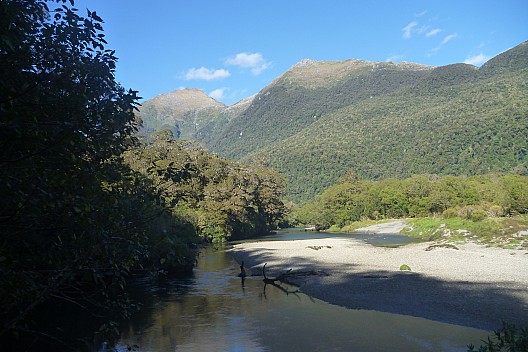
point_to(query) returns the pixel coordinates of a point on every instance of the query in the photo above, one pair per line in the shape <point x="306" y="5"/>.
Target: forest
<point x="85" y="205"/>
<point x="474" y="198"/>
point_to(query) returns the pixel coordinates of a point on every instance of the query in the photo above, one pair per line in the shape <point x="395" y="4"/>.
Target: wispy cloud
<point x="218" y="94"/>
<point x="448" y="38"/>
<point x="477" y="60"/>
<point x="433" y="32"/>
<point x="255" y="62"/>
<point x="408" y="29"/>
<point x="420" y="14"/>
<point x="206" y="74"/>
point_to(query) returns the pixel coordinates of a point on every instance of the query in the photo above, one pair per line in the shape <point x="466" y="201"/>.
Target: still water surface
<point x="215" y="311"/>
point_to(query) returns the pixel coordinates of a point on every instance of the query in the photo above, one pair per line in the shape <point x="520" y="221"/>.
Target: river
<point x="215" y="311"/>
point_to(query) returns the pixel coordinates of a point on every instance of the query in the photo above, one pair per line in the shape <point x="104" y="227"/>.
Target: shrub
<point x="478" y="215"/>
<point x="495" y="211"/>
<point x="450" y="213"/>
<point x="334" y="228"/>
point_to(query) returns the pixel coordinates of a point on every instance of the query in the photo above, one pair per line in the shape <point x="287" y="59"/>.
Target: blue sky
<point x="232" y="49"/>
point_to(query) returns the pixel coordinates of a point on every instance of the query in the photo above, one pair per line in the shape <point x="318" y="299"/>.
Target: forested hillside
<point x="320" y="119"/>
<point x="444" y="124"/>
<point x="304" y="96"/>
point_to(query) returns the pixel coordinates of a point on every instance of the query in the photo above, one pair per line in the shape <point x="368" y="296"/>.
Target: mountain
<point x="211" y="131"/>
<point x="182" y="111"/>
<point x="305" y="94"/>
<point x="380" y="119"/>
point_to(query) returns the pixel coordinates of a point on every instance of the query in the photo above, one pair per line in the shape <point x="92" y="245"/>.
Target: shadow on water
<point x="216" y="311"/>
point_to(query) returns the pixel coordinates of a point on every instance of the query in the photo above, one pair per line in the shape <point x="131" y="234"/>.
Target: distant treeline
<point x="475" y="198"/>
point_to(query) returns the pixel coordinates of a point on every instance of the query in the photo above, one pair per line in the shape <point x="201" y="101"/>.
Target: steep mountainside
<point x="320" y="119"/>
<point x="211" y="131"/>
<point x="305" y="94"/>
<point x="182" y="111"/>
<point x="456" y="120"/>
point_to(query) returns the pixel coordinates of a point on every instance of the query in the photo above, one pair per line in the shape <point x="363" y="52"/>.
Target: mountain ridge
<point x="183" y="111"/>
<point x="321" y="118"/>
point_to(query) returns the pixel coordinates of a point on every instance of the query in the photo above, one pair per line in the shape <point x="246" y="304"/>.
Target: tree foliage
<point x="74" y="220"/>
<point x="507" y="338"/>
<point x="223" y="199"/>
<point x="475" y="198"/>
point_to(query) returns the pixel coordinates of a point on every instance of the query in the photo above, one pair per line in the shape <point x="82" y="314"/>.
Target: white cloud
<point x="433" y="32"/>
<point x="408" y="29"/>
<point x="206" y="74"/>
<point x="448" y="38"/>
<point x="255" y="62"/>
<point x="218" y="94"/>
<point x="477" y="60"/>
<point x="420" y="14"/>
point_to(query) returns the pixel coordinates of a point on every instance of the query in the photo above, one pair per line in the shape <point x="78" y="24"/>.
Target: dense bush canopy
<point x="222" y="199"/>
<point x="475" y="197"/>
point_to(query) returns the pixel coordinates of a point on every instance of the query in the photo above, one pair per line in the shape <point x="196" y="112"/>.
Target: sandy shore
<point x="473" y="286"/>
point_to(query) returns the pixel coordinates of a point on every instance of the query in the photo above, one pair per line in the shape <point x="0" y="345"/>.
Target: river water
<point x="215" y="311"/>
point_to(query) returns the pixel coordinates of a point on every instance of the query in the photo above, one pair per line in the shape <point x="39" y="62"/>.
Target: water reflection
<point x="214" y="312"/>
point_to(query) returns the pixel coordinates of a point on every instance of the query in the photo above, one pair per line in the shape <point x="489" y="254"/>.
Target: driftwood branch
<point x="290" y="274"/>
<point x="444" y="245"/>
<point x="273" y="282"/>
<point x="280" y="278"/>
<point x="287" y="278"/>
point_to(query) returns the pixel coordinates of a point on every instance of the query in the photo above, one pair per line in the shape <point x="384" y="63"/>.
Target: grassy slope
<point x="505" y="232"/>
<point x="182" y="111"/>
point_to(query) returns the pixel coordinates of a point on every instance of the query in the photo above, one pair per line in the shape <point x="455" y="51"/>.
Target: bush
<point x="405" y="267"/>
<point x="478" y="215"/>
<point x="450" y="213"/>
<point x="334" y="228"/>
<point x="495" y="211"/>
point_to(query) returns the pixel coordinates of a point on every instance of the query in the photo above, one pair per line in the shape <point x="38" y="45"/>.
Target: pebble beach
<point x="471" y="285"/>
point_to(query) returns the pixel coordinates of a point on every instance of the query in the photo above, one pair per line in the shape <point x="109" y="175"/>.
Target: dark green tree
<point x="74" y="220"/>
<point x="222" y="199"/>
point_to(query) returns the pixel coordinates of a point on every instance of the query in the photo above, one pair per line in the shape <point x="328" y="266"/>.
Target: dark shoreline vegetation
<point x="87" y="205"/>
